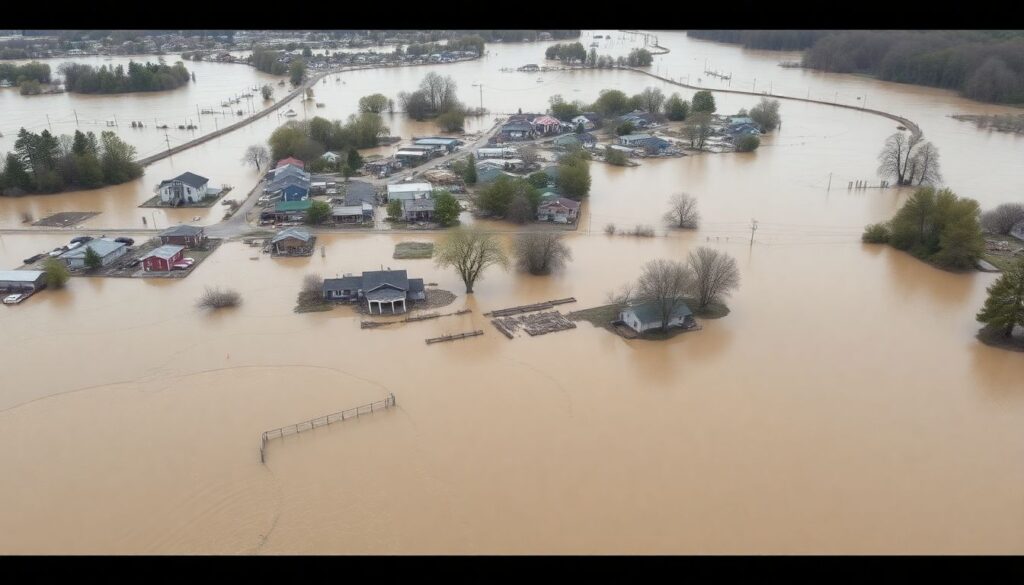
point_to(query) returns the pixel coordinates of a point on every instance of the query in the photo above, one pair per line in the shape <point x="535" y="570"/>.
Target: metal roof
<point x="409" y="187"/>
<point x="650" y="312"/>
<point x="182" y="230"/>
<point x="378" y="278"/>
<point x="102" y="246"/>
<point x="292" y="232"/>
<point x="284" y="206"/>
<point x="20" y="275"/>
<point x="165" y="252"/>
<point x="437" y="141"/>
<point x="347" y="210"/>
<point x="190" y="179"/>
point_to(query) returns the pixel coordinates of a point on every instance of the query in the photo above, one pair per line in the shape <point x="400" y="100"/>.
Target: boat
<point x="540" y="80"/>
<point x="290" y="113"/>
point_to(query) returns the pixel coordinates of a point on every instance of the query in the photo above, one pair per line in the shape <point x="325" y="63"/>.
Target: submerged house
<point x="185" y="188"/>
<point x="292" y="241"/>
<point x="358" y="213"/>
<point x="189" y="236"/>
<point x="404" y="191"/>
<point x="21" y="281"/>
<point x="378" y="287"/>
<point x="107" y="249"/>
<point x="518" y="131"/>
<point x="163" y="258"/>
<point x="647" y="316"/>
<point x="557" y="209"/>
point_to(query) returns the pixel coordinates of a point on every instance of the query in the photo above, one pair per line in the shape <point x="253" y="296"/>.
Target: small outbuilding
<point x="163" y="258"/>
<point x="21" y="281"/>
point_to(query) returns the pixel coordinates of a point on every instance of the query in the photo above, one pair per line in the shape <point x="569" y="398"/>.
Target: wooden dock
<point x="454" y="337"/>
<point x="534" y="324"/>
<point x="322" y="421"/>
<point x="530" y="308"/>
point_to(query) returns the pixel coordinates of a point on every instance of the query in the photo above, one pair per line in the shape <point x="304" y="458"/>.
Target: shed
<point x="21" y="281"/>
<point x="163" y="258"/>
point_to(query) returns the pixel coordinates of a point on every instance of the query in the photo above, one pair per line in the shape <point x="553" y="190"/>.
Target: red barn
<point x="162" y="258"/>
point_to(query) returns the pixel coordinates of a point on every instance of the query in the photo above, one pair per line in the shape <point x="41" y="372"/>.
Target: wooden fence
<point x="321" y="421"/>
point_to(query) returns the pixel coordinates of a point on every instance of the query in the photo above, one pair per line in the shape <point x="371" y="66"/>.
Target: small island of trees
<point x="138" y="77"/>
<point x="44" y="163"/>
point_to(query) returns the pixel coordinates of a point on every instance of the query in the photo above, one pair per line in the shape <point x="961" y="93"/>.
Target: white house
<point x="647" y="316"/>
<point x="587" y="124"/>
<point x="185" y="188"/>
<point x="406" y="191"/>
<point x="634" y="139"/>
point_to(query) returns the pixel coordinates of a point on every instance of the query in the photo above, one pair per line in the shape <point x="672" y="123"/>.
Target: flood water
<point x="843" y="406"/>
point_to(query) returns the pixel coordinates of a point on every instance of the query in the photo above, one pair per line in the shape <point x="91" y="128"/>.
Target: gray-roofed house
<point x="647" y="316"/>
<point x="359" y="192"/>
<point x="21" y="281"/>
<point x="189" y="236"/>
<point x="418" y="209"/>
<point x="185" y="188"/>
<point x="108" y="251"/>
<point x="360" y="213"/>
<point x="293" y="241"/>
<point x="378" y="287"/>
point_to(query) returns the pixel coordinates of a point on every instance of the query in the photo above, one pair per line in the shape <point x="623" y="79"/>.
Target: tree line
<point x="982" y="65"/>
<point x="435" y="98"/>
<point x="571" y="53"/>
<point x="147" y="76"/>
<point x="17" y="74"/>
<point x="463" y="43"/>
<point x="308" y="140"/>
<point x="44" y="163"/>
<point x="267" y="61"/>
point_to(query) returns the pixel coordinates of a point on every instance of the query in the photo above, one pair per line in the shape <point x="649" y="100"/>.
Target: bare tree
<point x="682" y="211"/>
<point x="216" y="298"/>
<point x="256" y="155"/>
<point x="470" y="251"/>
<point x="1002" y="219"/>
<point x="528" y="154"/>
<point x="540" y="252"/>
<point x="664" y="283"/>
<point x="715" y="274"/>
<point x="697" y="128"/>
<point x="519" y="209"/>
<point x="894" y="160"/>
<point x="650" y="100"/>
<point x="924" y="165"/>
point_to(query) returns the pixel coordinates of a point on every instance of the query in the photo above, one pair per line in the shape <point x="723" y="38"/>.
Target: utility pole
<point x="76" y="117"/>
<point x="481" y="86"/>
<point x="753" y="228"/>
<point x="48" y="122"/>
<point x="168" y="139"/>
<point x="755" y="86"/>
<point x="829" y="182"/>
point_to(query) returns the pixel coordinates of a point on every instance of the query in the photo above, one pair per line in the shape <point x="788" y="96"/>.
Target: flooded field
<point x="843" y="406"/>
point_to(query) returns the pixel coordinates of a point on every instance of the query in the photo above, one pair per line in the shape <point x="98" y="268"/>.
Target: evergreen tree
<point x="470" y="176"/>
<point x="1004" y="307"/>
<point x="92" y="259"/>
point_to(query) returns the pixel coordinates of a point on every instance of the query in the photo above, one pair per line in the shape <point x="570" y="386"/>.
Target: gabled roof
<point x="517" y="127"/>
<point x="21" y="275"/>
<point x="292" y="232"/>
<point x="551" y="199"/>
<point x="164" y="252"/>
<point x="182" y="230"/>
<point x="650" y="312"/>
<point x="344" y="283"/>
<point x="191" y="179"/>
<point x="346" y="210"/>
<point x="357" y="192"/>
<point x="102" y="246"/>
<point x="546" y="121"/>
<point x="378" y="278"/>
<point x="291" y="161"/>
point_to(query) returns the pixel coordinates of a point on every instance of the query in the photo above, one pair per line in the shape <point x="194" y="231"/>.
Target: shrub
<point x="876" y="233"/>
<point x="748" y="143"/>
<point x="609" y="229"/>
<point x="642" y="231"/>
<point x="215" y="298"/>
<point x="56" y="273"/>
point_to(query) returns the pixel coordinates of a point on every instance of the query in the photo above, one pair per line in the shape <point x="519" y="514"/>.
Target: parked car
<point x="125" y="241"/>
<point x="181" y="266"/>
<point x="82" y="239"/>
<point x="34" y="259"/>
<point x="73" y="245"/>
<point x="57" y="252"/>
<point x="13" y="299"/>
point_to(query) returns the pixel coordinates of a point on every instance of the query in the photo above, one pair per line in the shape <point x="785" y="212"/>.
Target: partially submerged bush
<point x="642" y="231"/>
<point x="215" y="298"/>
<point x="609" y="229"/>
<point x="876" y="233"/>
<point x="748" y="143"/>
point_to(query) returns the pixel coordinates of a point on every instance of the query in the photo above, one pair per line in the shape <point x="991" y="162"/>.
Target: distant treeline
<point x="267" y="62"/>
<point x="982" y="65"/>
<point x="34" y="71"/>
<point x="139" y="77"/>
<point x="44" y="163"/>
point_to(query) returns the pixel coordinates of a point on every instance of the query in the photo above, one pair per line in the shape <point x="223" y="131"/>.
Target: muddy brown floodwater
<point x="843" y="406"/>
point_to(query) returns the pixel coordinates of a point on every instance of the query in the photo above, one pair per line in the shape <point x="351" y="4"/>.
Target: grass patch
<point x="714" y="310"/>
<point x="413" y="250"/>
<point x="601" y="316"/>
<point x="994" y="337"/>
